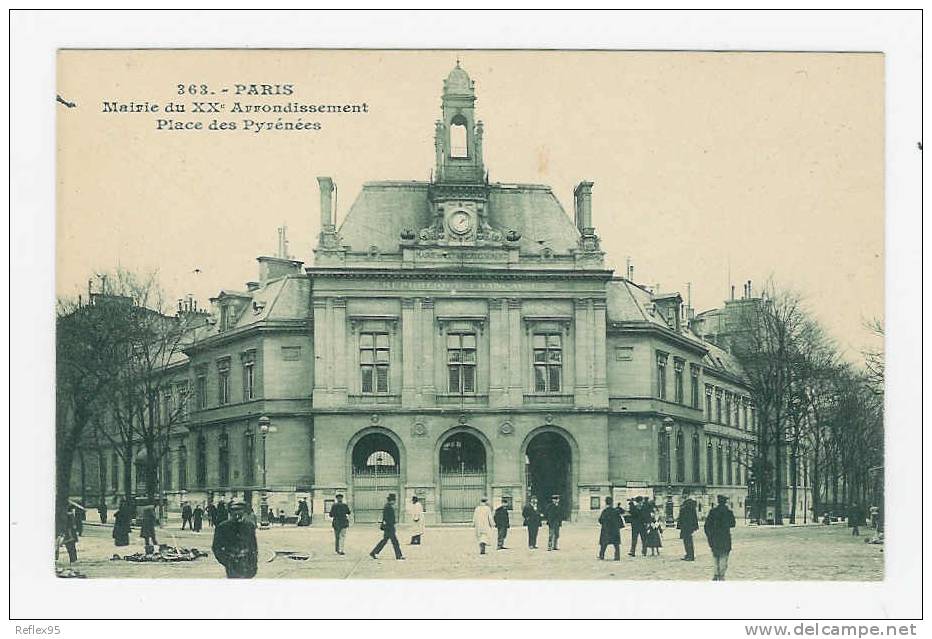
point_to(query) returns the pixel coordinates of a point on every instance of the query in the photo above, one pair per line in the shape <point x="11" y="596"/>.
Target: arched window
<point x="680" y="458"/>
<point x="696" y="457"/>
<point x="223" y="461"/>
<point x="182" y="467"/>
<point x="249" y="457"/>
<point x="459" y="146"/>
<point x="201" y="461"/>
<point x="729" y="467"/>
<point x="663" y="447"/>
<point x="709" y="466"/>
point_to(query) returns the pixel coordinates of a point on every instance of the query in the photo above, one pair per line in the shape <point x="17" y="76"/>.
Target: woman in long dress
<point x="482" y="522"/>
<point x="122" y="524"/>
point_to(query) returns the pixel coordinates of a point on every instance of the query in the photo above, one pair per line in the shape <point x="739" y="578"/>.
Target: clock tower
<point x="459" y="189"/>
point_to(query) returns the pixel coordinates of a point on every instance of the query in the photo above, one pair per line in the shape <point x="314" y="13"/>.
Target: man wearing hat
<point x="554" y="515"/>
<point x="483" y="523"/>
<point x="387" y="525"/>
<point x="235" y="544"/>
<point x="639" y="517"/>
<point x="688" y="523"/>
<point x="718" y="527"/>
<point x="339" y="514"/>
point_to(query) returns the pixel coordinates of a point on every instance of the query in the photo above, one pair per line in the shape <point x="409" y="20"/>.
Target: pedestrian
<point x="483" y="524"/>
<point x="303" y="513"/>
<point x="416" y="512"/>
<point x="339" y="513"/>
<point x="718" y="525"/>
<point x="79" y="518"/>
<point x="531" y="516"/>
<point x="235" y="545"/>
<point x="221" y="515"/>
<point x="281" y="517"/>
<point x="638" y="517"/>
<point x="387" y="526"/>
<point x="555" y="516"/>
<point x="211" y="514"/>
<point x="855" y="519"/>
<point x="654" y="535"/>
<point x="147" y="529"/>
<point x="250" y="515"/>
<point x="610" y="534"/>
<point x="688" y="522"/>
<point x="102" y="511"/>
<point x="197" y="517"/>
<point x="186" y="514"/>
<point x="69" y="536"/>
<point x="122" y="524"/>
<point x="502" y="524"/>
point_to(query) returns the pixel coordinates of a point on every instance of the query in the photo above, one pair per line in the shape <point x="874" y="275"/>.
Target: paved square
<point x="787" y="553"/>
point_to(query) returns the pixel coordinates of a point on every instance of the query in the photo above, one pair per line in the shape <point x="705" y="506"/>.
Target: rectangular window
<point x="708" y="403"/>
<point x="718" y="405"/>
<point x="720" y="477"/>
<point x="753" y="419"/>
<point x="249" y="375"/>
<point x="461" y="363"/>
<point x="661" y="375"/>
<point x="548" y="362"/>
<point x="183" y="401"/>
<point x="624" y="353"/>
<point x="727" y="408"/>
<point x="168" y="407"/>
<point x="200" y="388"/>
<point x="595" y="502"/>
<point x="167" y="470"/>
<point x="709" y="466"/>
<point x="678" y="381"/>
<point x="744" y="409"/>
<point x="223" y="381"/>
<point x="182" y="468"/>
<point x="694" y="385"/>
<point x="374" y="362"/>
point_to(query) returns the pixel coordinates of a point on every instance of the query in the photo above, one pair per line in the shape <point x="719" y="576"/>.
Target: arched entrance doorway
<point x="549" y="469"/>
<point x="376" y="471"/>
<point x="463" y="476"/>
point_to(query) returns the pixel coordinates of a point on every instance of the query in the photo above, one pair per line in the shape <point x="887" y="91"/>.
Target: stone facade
<point x="453" y="339"/>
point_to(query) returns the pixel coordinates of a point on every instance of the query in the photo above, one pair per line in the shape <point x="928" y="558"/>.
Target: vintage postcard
<point x="498" y="314"/>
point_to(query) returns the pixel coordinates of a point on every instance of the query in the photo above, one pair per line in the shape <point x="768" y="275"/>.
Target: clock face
<point x="460" y="222"/>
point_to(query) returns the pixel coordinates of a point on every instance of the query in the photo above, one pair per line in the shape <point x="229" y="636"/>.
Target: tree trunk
<point x="794" y="461"/>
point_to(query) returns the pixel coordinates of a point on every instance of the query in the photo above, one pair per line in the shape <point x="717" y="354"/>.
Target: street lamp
<point x="264" y="425"/>
<point x="668" y="506"/>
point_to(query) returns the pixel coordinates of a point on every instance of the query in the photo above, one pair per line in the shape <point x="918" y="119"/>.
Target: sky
<point x="709" y="168"/>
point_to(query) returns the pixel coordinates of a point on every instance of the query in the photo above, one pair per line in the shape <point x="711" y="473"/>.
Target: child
<point x="654" y="533"/>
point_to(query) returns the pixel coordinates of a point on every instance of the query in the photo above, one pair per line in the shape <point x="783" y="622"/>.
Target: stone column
<point x="427" y="366"/>
<point x="322" y="358"/>
<point x="338" y="337"/>
<point x="516" y="353"/>
<point x="409" y="383"/>
<point x="583" y="353"/>
<point x="599" y="337"/>
<point x="499" y="350"/>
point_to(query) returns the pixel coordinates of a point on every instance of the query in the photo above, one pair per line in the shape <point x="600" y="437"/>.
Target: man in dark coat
<point x="221" y="515"/>
<point x="718" y="527"/>
<point x="554" y="515"/>
<point x="339" y="513"/>
<point x="388" y="529"/>
<point x="532" y="520"/>
<point x="147" y="529"/>
<point x="639" y="518"/>
<point x="501" y="525"/>
<point x="198" y="517"/>
<point x="69" y="536"/>
<point x="610" y="534"/>
<point x="211" y="514"/>
<point x="688" y="523"/>
<point x="186" y="514"/>
<point x="102" y="511"/>
<point x="235" y="544"/>
<point x="855" y="519"/>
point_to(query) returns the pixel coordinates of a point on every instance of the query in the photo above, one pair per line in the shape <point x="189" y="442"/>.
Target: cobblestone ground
<point x="766" y="553"/>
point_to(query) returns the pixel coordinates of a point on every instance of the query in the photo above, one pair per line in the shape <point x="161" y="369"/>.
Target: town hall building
<point x="453" y="339"/>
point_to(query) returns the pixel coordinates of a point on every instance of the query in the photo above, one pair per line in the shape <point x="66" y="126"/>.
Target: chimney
<point x="583" y="199"/>
<point x="732" y="292"/>
<point x="326" y="203"/>
<point x="749" y="289"/>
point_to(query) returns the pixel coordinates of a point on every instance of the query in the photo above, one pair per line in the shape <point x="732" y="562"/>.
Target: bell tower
<point x="458" y="137"/>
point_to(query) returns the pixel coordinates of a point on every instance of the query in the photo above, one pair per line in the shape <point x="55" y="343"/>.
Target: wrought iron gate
<point x="370" y="488"/>
<point x="460" y="492"/>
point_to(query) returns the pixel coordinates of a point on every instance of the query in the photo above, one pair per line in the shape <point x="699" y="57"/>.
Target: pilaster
<point x="583" y="391"/>
<point x="409" y="383"/>
<point x="515" y="353"/>
<point x="499" y="350"/>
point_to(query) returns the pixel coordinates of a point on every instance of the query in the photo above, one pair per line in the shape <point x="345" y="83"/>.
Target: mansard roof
<point x="384" y="209"/>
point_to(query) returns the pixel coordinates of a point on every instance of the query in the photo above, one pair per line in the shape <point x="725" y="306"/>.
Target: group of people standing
<point x="484" y="522"/>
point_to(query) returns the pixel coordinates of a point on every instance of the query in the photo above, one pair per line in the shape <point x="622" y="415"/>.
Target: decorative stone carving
<point x="506" y="428"/>
<point x="419" y="429"/>
<point x="374" y="418"/>
<point x="463" y="420"/>
<point x="548" y="419"/>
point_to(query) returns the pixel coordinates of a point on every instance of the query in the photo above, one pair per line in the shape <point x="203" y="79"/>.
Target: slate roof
<point x="383" y="209"/>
